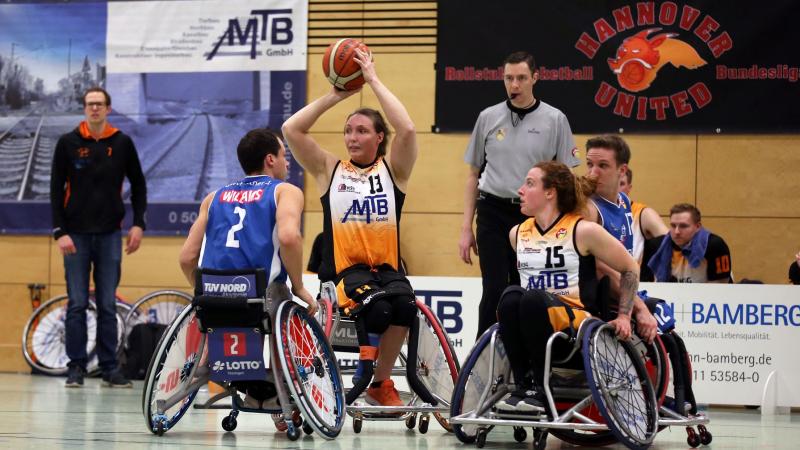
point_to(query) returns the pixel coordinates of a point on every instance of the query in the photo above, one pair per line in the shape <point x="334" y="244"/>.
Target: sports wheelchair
<point x="428" y="361"/>
<point x="220" y="338"/>
<point x="617" y="396"/>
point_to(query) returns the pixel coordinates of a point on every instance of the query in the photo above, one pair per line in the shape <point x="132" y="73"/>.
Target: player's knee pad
<point x="403" y="311"/>
<point x="378" y="316"/>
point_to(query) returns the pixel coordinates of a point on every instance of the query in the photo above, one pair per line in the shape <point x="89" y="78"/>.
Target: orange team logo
<point x="639" y="58"/>
<point x="561" y="233"/>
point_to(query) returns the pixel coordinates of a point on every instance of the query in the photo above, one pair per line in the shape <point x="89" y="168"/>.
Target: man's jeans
<point x="104" y="253"/>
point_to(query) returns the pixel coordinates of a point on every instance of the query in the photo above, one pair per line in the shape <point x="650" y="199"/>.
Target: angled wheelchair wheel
<point x="657" y="366"/>
<point x="160" y="307"/>
<point x="476" y="376"/>
<point x="173" y="376"/>
<point x="44" y="336"/>
<point x="620" y="386"/>
<point x="437" y="365"/>
<point x="310" y="369"/>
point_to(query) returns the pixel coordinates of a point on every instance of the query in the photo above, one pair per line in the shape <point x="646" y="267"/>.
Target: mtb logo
<point x="549" y="279"/>
<point x="364" y="211"/>
<point x="270" y="26"/>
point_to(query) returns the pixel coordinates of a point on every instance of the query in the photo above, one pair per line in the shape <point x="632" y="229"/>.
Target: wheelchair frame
<point x="416" y="407"/>
<point x="496" y="388"/>
<point x="288" y="380"/>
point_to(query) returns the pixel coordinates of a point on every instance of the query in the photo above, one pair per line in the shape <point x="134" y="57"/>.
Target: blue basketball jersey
<point x="241" y="231"/>
<point x="617" y="218"/>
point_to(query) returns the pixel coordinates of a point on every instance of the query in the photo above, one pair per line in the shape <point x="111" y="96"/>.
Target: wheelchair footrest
<point x="467" y="419"/>
<point x="370" y="409"/>
<point x="507" y="415"/>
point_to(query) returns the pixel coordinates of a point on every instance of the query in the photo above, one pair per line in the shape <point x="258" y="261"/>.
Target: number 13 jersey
<point x="362" y="216"/>
<point x="549" y="259"/>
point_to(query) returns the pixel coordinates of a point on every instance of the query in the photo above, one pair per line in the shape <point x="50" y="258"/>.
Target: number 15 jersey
<point x="241" y="232"/>
<point x="549" y="259"/>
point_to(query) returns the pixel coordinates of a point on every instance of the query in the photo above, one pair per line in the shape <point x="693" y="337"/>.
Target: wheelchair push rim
<point x="174" y="360"/>
<point x="310" y="369"/>
<point x="620" y="386"/>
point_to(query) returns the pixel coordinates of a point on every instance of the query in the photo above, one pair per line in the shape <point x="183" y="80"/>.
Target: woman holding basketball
<point x="362" y="200"/>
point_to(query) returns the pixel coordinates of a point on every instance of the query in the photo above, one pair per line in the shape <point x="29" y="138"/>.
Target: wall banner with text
<point x="684" y="66"/>
<point x="187" y="80"/>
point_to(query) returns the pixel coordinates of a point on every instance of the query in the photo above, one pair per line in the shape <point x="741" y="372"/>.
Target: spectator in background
<point x="794" y="270"/>
<point x="89" y="165"/>
<point x="648" y="228"/>
<point x="508" y="139"/>
<point x="690" y="253"/>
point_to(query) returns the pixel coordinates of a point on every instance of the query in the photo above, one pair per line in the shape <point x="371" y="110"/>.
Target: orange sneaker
<point x="384" y="395"/>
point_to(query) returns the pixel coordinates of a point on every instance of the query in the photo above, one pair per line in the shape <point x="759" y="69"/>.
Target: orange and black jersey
<point x="716" y="265"/>
<point x="361" y="223"/>
<point x="86" y="182"/>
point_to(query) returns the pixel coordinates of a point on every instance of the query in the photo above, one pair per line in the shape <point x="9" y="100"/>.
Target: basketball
<point x="339" y="64"/>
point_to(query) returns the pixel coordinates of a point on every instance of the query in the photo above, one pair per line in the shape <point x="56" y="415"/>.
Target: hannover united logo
<point x="646" y="50"/>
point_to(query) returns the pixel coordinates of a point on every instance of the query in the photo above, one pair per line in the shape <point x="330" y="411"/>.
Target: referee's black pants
<point x="498" y="260"/>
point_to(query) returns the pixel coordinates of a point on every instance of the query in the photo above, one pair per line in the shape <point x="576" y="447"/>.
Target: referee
<point x="508" y="139"/>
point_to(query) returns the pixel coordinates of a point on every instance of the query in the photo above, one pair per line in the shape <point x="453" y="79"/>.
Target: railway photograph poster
<point x="187" y="80"/>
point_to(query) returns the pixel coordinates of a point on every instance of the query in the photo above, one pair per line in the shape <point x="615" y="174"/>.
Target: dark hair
<point x="686" y="207"/>
<point x="378" y="123"/>
<point x="522" y="57"/>
<point x="95" y="89"/>
<point x="794" y="273"/>
<point x="255" y="146"/>
<point x="572" y="191"/>
<point x="622" y="153"/>
<point x="629" y="175"/>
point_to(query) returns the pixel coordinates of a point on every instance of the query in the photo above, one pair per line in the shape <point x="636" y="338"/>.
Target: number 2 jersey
<point x="549" y="259"/>
<point x="241" y="232"/>
<point x="361" y="218"/>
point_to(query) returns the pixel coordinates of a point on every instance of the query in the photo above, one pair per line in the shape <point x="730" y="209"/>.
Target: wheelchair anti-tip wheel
<point x="168" y="385"/>
<point x="474" y="378"/>
<point x="620" y="386"/>
<point x="310" y="370"/>
<point x="44" y="339"/>
<point x="436" y="362"/>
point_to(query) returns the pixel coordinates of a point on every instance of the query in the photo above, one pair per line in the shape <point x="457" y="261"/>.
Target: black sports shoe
<point x="116" y="380"/>
<point x="522" y="401"/>
<point x="74" y="377"/>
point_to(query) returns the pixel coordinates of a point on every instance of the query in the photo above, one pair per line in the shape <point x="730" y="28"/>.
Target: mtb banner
<point x="696" y="66"/>
<point x="187" y="80"/>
